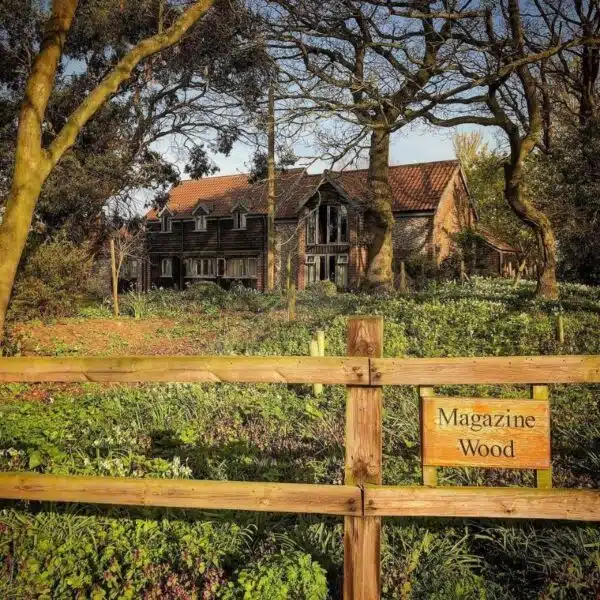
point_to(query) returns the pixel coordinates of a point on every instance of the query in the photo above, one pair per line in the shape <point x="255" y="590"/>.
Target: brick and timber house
<point x="216" y="228"/>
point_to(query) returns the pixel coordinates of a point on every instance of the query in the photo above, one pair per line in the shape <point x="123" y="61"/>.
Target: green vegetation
<point x="282" y="433"/>
<point x="56" y="282"/>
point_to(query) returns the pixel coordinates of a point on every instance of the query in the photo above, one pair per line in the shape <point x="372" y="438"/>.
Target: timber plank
<point x="483" y="502"/>
<point x="485" y="370"/>
<point x="363" y="464"/>
<point x="202" y="369"/>
<point x="214" y="495"/>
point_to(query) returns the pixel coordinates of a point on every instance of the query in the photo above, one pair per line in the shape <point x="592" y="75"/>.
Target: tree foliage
<point x="193" y="97"/>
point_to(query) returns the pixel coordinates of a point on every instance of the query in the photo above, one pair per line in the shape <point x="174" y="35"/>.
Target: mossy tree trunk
<point x="379" y="219"/>
<point x="33" y="162"/>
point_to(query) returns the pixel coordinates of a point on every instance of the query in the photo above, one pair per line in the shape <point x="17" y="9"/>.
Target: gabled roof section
<point x="495" y="241"/>
<point x="163" y="210"/>
<point x="202" y="207"/>
<point x="239" y="206"/>
<point x="417" y="187"/>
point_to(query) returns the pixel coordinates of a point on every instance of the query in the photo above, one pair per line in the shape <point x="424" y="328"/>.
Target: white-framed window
<point x="343" y="224"/>
<point x="252" y="267"/>
<point x="311" y="229"/>
<point x="189" y="266"/>
<point x="327" y="224"/>
<point x="323" y="267"/>
<point x="166" y="267"/>
<point x="166" y="223"/>
<point x="311" y="269"/>
<point x="236" y="268"/>
<point x="241" y="268"/>
<point x="239" y="220"/>
<point x="341" y="270"/>
<point x="200" y="267"/>
<point x="200" y="223"/>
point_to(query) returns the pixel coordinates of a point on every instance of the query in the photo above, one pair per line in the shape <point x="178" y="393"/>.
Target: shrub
<point x="54" y="283"/>
<point x="65" y="555"/>
<point x="207" y="292"/>
<point x="326" y="289"/>
<point x="285" y="576"/>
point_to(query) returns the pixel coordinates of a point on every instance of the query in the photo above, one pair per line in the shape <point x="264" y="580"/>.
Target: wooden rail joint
<point x="375" y="374"/>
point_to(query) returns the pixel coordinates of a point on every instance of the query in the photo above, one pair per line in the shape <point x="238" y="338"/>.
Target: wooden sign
<point x="486" y="432"/>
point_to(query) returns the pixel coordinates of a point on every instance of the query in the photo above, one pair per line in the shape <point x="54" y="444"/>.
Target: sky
<point x="417" y="143"/>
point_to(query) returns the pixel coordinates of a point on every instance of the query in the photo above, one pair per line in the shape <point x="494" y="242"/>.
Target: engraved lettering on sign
<point x="486" y="432"/>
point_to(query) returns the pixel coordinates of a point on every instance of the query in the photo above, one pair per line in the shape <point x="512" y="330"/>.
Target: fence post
<point x="560" y="329"/>
<point x="115" y="282"/>
<point x="314" y="351"/>
<point x="403" y="284"/>
<point x="543" y="477"/>
<point x="429" y="473"/>
<point x="291" y="297"/>
<point x="321" y="342"/>
<point x="362" y="535"/>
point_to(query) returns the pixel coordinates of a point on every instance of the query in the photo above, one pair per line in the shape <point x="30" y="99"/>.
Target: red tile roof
<point x="417" y="187"/>
<point x="495" y="241"/>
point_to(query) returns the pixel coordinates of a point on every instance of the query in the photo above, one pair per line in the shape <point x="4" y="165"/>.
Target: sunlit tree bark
<point x="33" y="162"/>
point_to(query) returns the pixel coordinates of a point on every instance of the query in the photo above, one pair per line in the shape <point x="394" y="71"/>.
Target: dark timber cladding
<point x="216" y="228"/>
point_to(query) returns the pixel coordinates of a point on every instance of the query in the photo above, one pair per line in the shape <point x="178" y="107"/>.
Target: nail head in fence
<point x="486" y="432"/>
<point x="362" y="535"/>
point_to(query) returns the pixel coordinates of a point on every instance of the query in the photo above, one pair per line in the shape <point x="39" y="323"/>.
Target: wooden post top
<point x="365" y="336"/>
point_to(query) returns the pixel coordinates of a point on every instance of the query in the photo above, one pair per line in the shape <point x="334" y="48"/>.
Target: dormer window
<point x="200" y="223"/>
<point x="239" y="220"/>
<point x="166" y="223"/>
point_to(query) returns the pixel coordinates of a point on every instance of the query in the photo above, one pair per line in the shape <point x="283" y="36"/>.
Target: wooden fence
<point x="362" y="500"/>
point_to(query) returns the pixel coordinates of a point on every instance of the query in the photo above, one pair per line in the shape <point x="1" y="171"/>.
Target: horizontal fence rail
<point x="183" y="493"/>
<point x="186" y="369"/>
<point x="341" y="500"/>
<point x="482" y="502"/>
<point x="303" y="369"/>
<point x="486" y="370"/>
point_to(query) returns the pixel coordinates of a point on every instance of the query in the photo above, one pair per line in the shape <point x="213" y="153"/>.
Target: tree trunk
<point x="32" y="165"/>
<point x="13" y="236"/>
<point x="379" y="219"/>
<point x="590" y="69"/>
<point x="271" y="200"/>
<point x="547" y="286"/>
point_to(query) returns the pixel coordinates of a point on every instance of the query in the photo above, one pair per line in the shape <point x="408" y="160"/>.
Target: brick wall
<point x="411" y="237"/>
<point x="261" y="268"/>
<point x="454" y="214"/>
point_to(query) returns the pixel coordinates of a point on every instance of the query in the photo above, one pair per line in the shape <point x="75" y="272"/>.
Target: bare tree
<point x="372" y="64"/>
<point x="513" y="101"/>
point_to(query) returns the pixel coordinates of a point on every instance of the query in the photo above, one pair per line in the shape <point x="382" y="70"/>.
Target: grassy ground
<point x="282" y="433"/>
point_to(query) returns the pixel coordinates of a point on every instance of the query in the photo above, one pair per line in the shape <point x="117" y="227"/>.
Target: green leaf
<point x="35" y="459"/>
